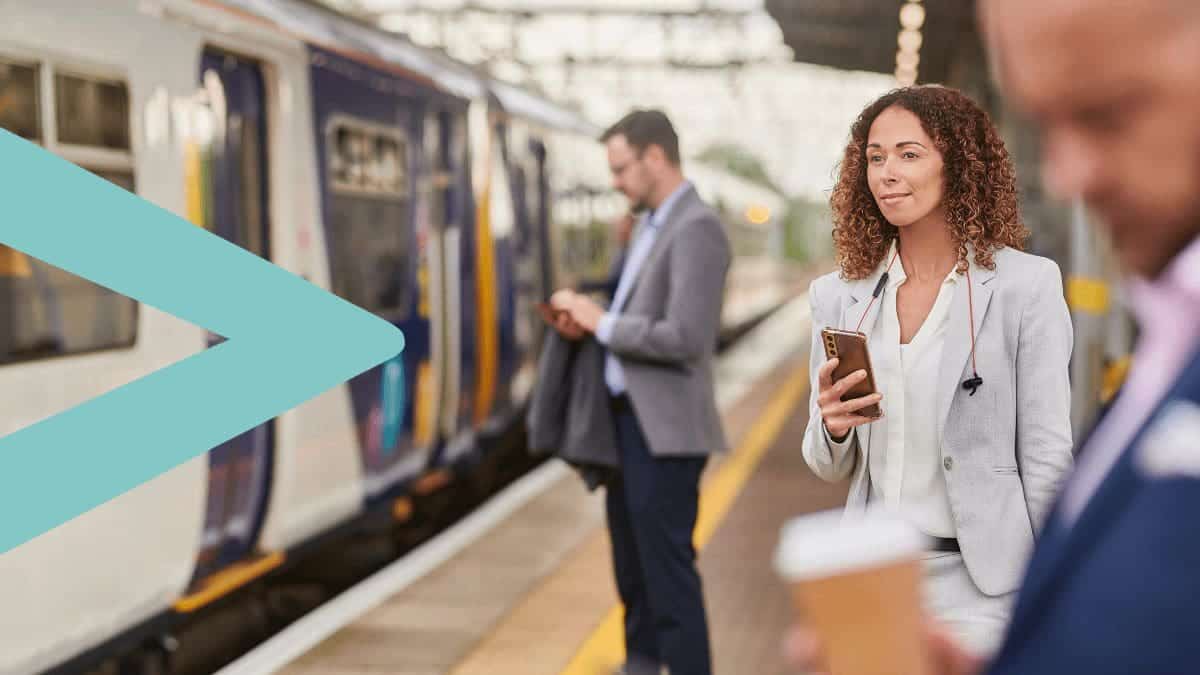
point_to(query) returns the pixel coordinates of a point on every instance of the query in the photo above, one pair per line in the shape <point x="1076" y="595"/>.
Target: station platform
<point x="759" y="284"/>
<point x="524" y="585"/>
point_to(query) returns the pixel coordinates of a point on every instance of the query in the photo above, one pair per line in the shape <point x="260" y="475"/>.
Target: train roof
<point x="323" y="26"/>
<point x="523" y="103"/>
<point x="317" y="24"/>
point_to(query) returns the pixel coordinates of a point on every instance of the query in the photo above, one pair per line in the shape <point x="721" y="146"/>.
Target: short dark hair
<point x="643" y="128"/>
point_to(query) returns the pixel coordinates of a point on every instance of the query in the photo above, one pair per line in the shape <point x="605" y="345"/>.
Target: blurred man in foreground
<point x="1114" y="86"/>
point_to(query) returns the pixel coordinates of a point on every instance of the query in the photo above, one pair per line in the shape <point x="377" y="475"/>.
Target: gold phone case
<point x="850" y="347"/>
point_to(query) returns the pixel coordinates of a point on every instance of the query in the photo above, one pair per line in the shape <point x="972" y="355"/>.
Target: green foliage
<point x="740" y="162"/>
<point x="806" y="222"/>
<point x="806" y="226"/>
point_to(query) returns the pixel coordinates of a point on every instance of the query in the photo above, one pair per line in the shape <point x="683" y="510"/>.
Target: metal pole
<point x="1088" y="298"/>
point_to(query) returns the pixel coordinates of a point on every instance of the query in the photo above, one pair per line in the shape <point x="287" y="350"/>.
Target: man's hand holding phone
<point x="560" y="320"/>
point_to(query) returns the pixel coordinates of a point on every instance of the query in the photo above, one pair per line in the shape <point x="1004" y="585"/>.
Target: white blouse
<point x="909" y="475"/>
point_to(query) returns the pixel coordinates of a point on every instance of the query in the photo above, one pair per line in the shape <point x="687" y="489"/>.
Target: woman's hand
<point x="840" y="416"/>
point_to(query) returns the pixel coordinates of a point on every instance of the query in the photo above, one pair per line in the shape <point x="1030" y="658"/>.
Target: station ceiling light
<point x="908" y="56"/>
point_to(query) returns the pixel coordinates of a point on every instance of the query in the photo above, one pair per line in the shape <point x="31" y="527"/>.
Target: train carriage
<point x="411" y="185"/>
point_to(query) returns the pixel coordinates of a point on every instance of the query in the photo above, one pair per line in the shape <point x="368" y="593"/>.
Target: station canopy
<point x="862" y="34"/>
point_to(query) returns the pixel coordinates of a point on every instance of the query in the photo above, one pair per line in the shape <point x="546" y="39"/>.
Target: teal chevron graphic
<point x="287" y="341"/>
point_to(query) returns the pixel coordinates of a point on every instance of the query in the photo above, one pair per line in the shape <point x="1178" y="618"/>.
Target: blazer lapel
<point x="860" y="310"/>
<point x="852" y="316"/>
<point x="1059" y="549"/>
<point x="956" y="350"/>
<point x="667" y="231"/>
<point x="861" y="300"/>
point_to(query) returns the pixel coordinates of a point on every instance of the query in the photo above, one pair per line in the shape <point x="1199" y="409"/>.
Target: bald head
<point x="1114" y="86"/>
<point x="1163" y="13"/>
<point x="1074" y="34"/>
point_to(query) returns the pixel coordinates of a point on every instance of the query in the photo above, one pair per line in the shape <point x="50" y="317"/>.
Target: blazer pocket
<point x="1005" y="470"/>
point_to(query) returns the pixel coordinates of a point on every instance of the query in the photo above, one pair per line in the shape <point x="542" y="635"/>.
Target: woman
<point x="969" y="340"/>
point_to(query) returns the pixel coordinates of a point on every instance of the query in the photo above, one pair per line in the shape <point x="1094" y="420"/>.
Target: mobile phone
<point x="549" y="313"/>
<point x="850" y="348"/>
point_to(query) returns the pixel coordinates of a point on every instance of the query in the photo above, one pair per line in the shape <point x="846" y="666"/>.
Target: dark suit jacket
<point x="569" y="413"/>
<point x="1119" y="592"/>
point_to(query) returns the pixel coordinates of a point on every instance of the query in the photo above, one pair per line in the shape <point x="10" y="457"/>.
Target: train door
<point x="370" y="142"/>
<point x="495" y="282"/>
<point x="527" y="286"/>
<point x="236" y="209"/>
<point x="433" y="209"/>
<point x="442" y="143"/>
<point x="461" y="290"/>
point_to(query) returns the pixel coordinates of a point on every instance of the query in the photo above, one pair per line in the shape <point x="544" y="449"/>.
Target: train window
<point x="347" y="158"/>
<point x="19" y="109"/>
<point x="250" y="225"/>
<point x="46" y="311"/>
<point x="503" y="215"/>
<point x="51" y="312"/>
<point x="370" y="253"/>
<point x="369" y="161"/>
<point x="92" y="111"/>
<point x="436" y="180"/>
<point x="457" y="163"/>
<point x="388" y="166"/>
<point x="370" y="216"/>
<point x="122" y="179"/>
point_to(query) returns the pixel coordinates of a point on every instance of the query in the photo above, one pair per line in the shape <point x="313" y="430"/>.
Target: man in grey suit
<point x="608" y="285"/>
<point x="660" y="333"/>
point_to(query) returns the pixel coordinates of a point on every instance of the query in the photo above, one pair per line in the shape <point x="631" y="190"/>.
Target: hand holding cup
<point x="856" y="585"/>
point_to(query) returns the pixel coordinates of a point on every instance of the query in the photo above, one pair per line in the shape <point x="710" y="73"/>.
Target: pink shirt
<point x="1167" y="311"/>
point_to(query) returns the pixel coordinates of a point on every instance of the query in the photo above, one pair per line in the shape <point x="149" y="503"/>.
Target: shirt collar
<point x="897" y="276"/>
<point x="659" y="216"/>
<point x="1180" y="280"/>
<point x="1184" y="270"/>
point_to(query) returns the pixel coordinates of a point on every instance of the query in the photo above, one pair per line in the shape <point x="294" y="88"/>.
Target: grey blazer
<point x="1005" y="451"/>
<point x="665" y="336"/>
<point x="569" y="412"/>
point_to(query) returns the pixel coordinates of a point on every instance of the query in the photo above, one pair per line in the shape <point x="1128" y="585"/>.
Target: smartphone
<point x="548" y="312"/>
<point x="850" y="348"/>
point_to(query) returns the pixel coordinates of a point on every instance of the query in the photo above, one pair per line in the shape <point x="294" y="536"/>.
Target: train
<point x="416" y="187"/>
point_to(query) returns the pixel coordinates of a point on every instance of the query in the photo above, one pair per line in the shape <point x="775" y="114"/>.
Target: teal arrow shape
<point x="287" y="341"/>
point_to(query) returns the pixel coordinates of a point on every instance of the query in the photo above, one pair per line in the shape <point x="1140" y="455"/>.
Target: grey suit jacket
<point x="569" y="412"/>
<point x="1005" y="450"/>
<point x="665" y="335"/>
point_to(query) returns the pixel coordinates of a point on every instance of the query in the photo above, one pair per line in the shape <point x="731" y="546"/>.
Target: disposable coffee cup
<point x="856" y="582"/>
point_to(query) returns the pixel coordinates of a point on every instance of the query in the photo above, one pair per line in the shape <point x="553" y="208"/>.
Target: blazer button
<point x="948" y="463"/>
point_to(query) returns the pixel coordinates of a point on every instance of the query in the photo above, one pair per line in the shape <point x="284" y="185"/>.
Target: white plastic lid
<point x="832" y="542"/>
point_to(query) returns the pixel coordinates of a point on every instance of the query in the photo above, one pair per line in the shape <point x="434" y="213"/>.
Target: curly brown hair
<point x="980" y="196"/>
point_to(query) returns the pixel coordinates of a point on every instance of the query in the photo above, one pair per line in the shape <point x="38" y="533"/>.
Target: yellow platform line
<point x="604" y="649"/>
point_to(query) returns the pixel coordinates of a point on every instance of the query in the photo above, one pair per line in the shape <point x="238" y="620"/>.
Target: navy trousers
<point x="652" y="509"/>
